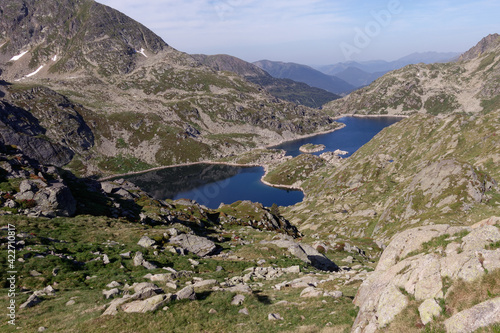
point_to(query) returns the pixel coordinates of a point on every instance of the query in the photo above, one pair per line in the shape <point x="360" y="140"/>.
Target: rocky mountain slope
<point x="306" y="74"/>
<point x="144" y="102"/>
<point x="467" y="85"/>
<point x="286" y="89"/>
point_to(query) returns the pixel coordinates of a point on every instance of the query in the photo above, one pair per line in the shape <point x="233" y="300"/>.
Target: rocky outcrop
<point x="415" y="263"/>
<point x="41" y="192"/>
<point x="306" y="253"/>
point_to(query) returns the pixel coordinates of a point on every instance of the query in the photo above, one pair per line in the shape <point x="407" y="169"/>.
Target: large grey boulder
<point x="186" y="293"/>
<point x="147" y="305"/>
<point x="146" y="242"/>
<point x="200" y="246"/>
<point x="480" y="315"/>
<point x="32" y="301"/>
<point x="140" y="261"/>
<point x="307" y="254"/>
<point x="56" y="199"/>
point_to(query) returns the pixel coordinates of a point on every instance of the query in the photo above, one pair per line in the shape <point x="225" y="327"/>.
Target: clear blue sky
<point x="316" y="32"/>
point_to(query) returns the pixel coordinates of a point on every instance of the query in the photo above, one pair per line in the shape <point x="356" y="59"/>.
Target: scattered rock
<point x="125" y="254"/>
<point x="186" y="293"/>
<point x="140" y="261"/>
<point x="238" y="300"/>
<point x="113" y="284"/>
<point x="70" y="302"/>
<point x="274" y="316"/>
<point x="111" y="293"/>
<point x="311" y="292"/>
<point x="31" y="302"/>
<point x="205" y="283"/>
<point x="244" y="311"/>
<point x="105" y="259"/>
<point x="212" y="311"/>
<point x="146" y="242"/>
<point x="334" y="294"/>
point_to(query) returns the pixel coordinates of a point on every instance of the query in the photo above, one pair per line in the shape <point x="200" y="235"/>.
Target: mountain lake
<point x="213" y="184"/>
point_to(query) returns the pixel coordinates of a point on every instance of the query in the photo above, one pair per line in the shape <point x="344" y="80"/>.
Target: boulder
<point x="240" y="288"/>
<point x="111" y="293"/>
<point x="238" y="299"/>
<point x="274" y="316"/>
<point x="186" y="293"/>
<point x="146" y="242"/>
<point x="405" y="265"/>
<point x="56" y="199"/>
<point x="200" y="246"/>
<point x="150" y="304"/>
<point x="32" y="301"/>
<point x="140" y="261"/>
<point x="113" y="284"/>
<point x="480" y="315"/>
<point x="112" y="309"/>
<point x="307" y="254"/>
<point x="311" y="292"/>
<point x="205" y="283"/>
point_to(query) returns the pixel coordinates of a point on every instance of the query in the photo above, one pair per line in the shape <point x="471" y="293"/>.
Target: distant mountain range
<point x="360" y="74"/>
<point x="470" y="84"/>
<point x="306" y="74"/>
<point x="344" y="77"/>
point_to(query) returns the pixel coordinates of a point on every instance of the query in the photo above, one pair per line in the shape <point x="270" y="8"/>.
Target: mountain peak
<point x="486" y="44"/>
<point x="67" y="36"/>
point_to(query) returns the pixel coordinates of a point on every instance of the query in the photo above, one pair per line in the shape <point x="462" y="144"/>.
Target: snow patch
<point x="17" y="57"/>
<point x="54" y="58"/>
<point x="31" y="74"/>
<point x="142" y="52"/>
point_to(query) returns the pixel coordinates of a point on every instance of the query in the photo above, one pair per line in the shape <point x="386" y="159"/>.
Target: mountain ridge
<point x="146" y="103"/>
<point x="469" y="84"/>
<point x="293" y="91"/>
<point x="305" y="74"/>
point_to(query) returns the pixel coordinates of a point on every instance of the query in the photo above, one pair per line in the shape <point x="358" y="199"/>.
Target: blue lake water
<point x="211" y="184"/>
<point x="355" y="134"/>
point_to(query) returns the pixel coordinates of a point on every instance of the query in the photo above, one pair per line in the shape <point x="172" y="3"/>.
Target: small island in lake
<point x="311" y="148"/>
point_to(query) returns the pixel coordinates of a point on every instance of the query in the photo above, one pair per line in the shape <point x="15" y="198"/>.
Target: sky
<point x="315" y="32"/>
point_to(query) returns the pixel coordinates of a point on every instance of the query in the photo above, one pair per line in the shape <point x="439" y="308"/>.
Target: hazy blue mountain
<point x="306" y="74"/>
<point x="358" y="77"/>
<point x="363" y="73"/>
